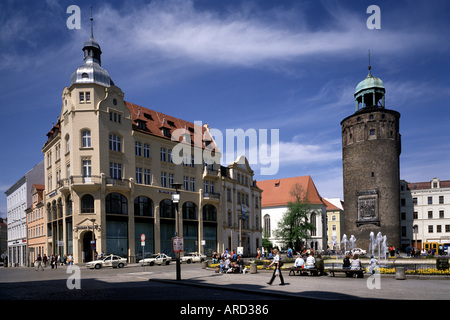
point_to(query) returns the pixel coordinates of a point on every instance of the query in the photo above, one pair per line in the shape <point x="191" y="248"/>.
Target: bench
<point x="300" y="271"/>
<point x="348" y="272"/>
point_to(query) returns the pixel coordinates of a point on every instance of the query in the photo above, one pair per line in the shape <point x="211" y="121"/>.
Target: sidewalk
<point x="309" y="287"/>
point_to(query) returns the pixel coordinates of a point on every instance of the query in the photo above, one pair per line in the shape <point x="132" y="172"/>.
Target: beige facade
<point x="36" y="226"/>
<point x="335" y="222"/>
<point x="110" y="170"/>
<point x="241" y="208"/>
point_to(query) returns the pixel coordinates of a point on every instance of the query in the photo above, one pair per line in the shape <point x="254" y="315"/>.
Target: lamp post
<point x="176" y="200"/>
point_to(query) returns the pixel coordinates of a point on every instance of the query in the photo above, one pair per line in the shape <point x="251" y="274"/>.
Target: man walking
<point x="39" y="263"/>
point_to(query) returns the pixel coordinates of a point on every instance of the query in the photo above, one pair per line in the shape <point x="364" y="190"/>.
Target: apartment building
<point x="425" y="213"/>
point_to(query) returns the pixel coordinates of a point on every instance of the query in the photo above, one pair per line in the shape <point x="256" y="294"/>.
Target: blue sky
<point x="280" y="65"/>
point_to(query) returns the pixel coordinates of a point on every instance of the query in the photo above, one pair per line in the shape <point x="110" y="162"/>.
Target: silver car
<point x="109" y="261"/>
<point x="156" y="259"/>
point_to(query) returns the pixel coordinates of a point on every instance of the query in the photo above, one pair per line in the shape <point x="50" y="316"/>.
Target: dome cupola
<point x="91" y="71"/>
<point x="370" y="92"/>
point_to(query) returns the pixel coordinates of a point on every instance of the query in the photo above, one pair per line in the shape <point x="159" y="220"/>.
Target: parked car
<point x="109" y="261"/>
<point x="158" y="259"/>
<point x="193" y="257"/>
<point x="357" y="251"/>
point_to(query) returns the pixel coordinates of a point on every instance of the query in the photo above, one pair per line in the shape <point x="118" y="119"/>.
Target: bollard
<point x="400" y="273"/>
<point x="253" y="268"/>
<point x="204" y="264"/>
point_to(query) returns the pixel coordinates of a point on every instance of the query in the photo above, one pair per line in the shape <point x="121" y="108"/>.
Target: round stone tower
<point x="371" y="149"/>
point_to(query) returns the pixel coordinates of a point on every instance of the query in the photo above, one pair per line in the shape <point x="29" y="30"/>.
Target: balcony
<point x="75" y="181"/>
<point x="211" y="196"/>
<point x="210" y="173"/>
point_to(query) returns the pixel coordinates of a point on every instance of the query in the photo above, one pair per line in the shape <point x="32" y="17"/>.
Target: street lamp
<point x="176" y="200"/>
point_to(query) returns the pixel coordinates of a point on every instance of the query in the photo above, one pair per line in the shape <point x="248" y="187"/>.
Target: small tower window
<point x="85" y="75"/>
<point x="372" y="132"/>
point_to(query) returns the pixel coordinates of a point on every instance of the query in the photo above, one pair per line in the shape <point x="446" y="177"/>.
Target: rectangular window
<point x="81" y="97"/>
<point x="441" y="214"/>
<point x="163" y="180"/>
<point x="430" y="229"/>
<point x="163" y="154"/>
<point x="430" y="214"/>
<point x="186" y="183"/>
<point x="439" y="229"/>
<point x="115" y="143"/>
<point x="441" y="199"/>
<point x="193" y="184"/>
<point x="138" y="175"/>
<point x="171" y="180"/>
<point x="88" y="97"/>
<point x="115" y="170"/>
<point x="146" y="150"/>
<point x="87" y="169"/>
<point x="138" y="148"/>
<point x="430" y="200"/>
<point x="147" y="177"/>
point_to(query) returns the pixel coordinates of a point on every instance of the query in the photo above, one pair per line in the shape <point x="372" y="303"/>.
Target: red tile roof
<point x="329" y="205"/>
<point x="277" y="192"/>
<point x="155" y="121"/>
<point x="427" y="185"/>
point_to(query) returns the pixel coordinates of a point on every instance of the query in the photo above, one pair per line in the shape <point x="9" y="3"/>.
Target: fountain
<point x="379" y="239"/>
<point x="344" y="241"/>
<point x="352" y="242"/>
<point x="372" y="243"/>
<point x="384" y="247"/>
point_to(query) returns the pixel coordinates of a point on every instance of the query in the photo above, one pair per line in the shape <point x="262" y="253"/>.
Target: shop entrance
<point x="87" y="247"/>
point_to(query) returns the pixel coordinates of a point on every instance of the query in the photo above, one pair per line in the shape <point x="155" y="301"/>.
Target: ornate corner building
<point x="110" y="174"/>
<point x="371" y="146"/>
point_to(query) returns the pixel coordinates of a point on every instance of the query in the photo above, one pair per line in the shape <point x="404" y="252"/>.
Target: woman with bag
<point x="277" y="271"/>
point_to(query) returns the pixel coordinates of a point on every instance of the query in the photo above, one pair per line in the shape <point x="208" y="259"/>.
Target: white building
<point x="275" y="197"/>
<point x="425" y="213"/>
<point x="18" y="199"/>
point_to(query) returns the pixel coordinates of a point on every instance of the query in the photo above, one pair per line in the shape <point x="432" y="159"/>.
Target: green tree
<point x="294" y="227"/>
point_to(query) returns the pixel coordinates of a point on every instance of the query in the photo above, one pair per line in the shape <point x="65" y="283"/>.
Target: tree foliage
<point x="294" y="227"/>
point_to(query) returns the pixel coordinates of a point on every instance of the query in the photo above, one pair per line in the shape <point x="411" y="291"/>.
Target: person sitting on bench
<point x="299" y="262"/>
<point x="310" y="262"/>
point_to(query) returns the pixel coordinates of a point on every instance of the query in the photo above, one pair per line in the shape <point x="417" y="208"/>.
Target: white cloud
<point x="176" y="30"/>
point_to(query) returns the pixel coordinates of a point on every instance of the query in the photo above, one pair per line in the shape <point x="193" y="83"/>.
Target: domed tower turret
<point x="371" y="149"/>
<point x="91" y="71"/>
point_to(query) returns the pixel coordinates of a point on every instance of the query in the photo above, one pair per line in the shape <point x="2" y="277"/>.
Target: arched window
<point x="116" y="203"/>
<point x="190" y="211"/>
<point x="167" y="209"/>
<point x="209" y="213"/>
<point x="143" y="206"/>
<point x="87" y="204"/>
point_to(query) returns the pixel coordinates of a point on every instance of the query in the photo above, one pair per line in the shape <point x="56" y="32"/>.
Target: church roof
<point x="277" y="192"/>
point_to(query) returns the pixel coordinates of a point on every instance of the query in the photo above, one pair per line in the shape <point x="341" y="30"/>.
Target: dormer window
<point x="166" y="132"/>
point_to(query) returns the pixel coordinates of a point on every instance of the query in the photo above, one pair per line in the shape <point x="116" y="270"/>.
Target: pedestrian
<point x="70" y="259"/>
<point x="44" y="260"/>
<point x="372" y="265"/>
<point x="258" y="254"/>
<point x="39" y="263"/>
<point x="277" y="271"/>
